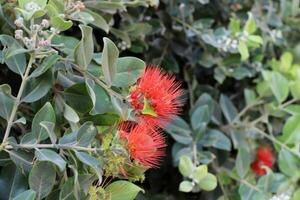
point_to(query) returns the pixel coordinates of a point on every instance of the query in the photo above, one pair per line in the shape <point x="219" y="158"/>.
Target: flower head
<point x="264" y="157"/>
<point x="155" y="97"/>
<point x="144" y="144"/>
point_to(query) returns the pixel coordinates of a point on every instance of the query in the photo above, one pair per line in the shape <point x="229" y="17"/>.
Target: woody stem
<point x="17" y="101"/>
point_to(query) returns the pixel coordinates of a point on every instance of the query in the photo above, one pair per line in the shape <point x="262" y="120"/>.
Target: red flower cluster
<point x="155" y="98"/>
<point x="144" y="145"/>
<point x="264" y="157"/>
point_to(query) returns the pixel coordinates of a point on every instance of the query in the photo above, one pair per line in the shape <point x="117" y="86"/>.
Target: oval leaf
<point x="42" y="178"/>
<point x="123" y="190"/>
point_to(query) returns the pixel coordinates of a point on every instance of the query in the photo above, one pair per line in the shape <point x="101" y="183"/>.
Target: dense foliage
<point x="82" y="117"/>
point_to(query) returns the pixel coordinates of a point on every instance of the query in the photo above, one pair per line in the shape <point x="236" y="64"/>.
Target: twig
<point x="99" y="82"/>
<point x="245" y="110"/>
<point x="18" y="99"/>
<point x="53" y="146"/>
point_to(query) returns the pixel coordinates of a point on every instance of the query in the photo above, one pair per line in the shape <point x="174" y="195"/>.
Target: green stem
<point x="245" y="110"/>
<point x="103" y="85"/>
<point x="53" y="146"/>
<point x="17" y="101"/>
<point x="195" y="153"/>
<point x="99" y="82"/>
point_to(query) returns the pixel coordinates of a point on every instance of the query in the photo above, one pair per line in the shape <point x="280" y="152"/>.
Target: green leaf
<point x="69" y="138"/>
<point x="86" y="134"/>
<point x="21" y="120"/>
<point x="85" y="181"/>
<point x="84" y="50"/>
<point x="286" y="61"/>
<point x="6" y="101"/>
<point x="99" y="21"/>
<point x="129" y="69"/>
<point x="290" y="132"/>
<point x="293" y="109"/>
<point x="107" y="119"/>
<point x="121" y="108"/>
<point x="208" y="183"/>
<point x="59" y="23"/>
<point x="46" y="113"/>
<point x="99" y="97"/>
<point x="46" y="64"/>
<point x="12" y="182"/>
<point x="41" y="3"/>
<point x="206" y="99"/>
<point x="200" y="117"/>
<point x="186" y="166"/>
<point x="250" y="96"/>
<point x="180" y="131"/>
<point x="243" y="50"/>
<point x="28" y="138"/>
<point x="35" y="13"/>
<point x="123" y="190"/>
<point x="250" y="26"/>
<point x="84" y="17"/>
<point x="91" y="162"/>
<point x="4" y="158"/>
<point x="51" y="156"/>
<point x="265" y="182"/>
<point x="110" y="54"/>
<point x="77" y="96"/>
<point x="186" y="186"/>
<point x="38" y="88"/>
<point x="296" y="195"/>
<point x="217" y="139"/>
<point x="22" y="159"/>
<point x="249" y="193"/>
<point x="106" y="5"/>
<point x="69" y="44"/>
<point x="279" y="86"/>
<point x="255" y="39"/>
<point x="199" y="173"/>
<point x="49" y="127"/>
<point x="242" y="162"/>
<point x="123" y="35"/>
<point x="288" y="163"/>
<point x="235" y="25"/>
<point x="42" y="179"/>
<point x="16" y="63"/>
<point x="26" y="195"/>
<point x="58" y="5"/>
<point x="295" y="89"/>
<point x="68" y="190"/>
<point x="70" y="114"/>
<point x="229" y="110"/>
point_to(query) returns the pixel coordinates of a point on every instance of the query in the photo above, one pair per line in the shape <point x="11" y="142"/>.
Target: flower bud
<point x="45" y="23"/>
<point x="35" y="27"/>
<point x="28" y="42"/>
<point x="54" y="30"/>
<point x="44" y="43"/>
<point x="43" y="33"/>
<point x="18" y="34"/>
<point x="80" y="5"/>
<point x="32" y="7"/>
<point x="19" y="22"/>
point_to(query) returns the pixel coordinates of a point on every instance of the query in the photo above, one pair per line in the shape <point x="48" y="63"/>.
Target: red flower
<point x="155" y="97"/>
<point x="264" y="157"/>
<point x="145" y="145"/>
